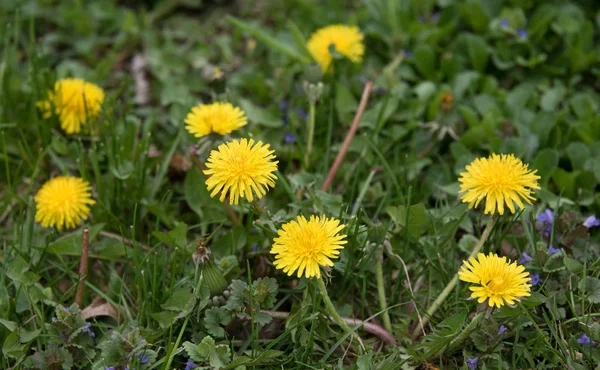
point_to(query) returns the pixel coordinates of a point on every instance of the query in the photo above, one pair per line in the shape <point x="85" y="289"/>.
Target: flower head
<point x="534" y="279"/>
<point x="584" y="339"/>
<point x="591" y="222"/>
<point x="546" y="217"/>
<point x="504" y="23"/>
<point x="347" y="41"/>
<point x="472" y="362"/>
<point x="305" y="245"/>
<point x="189" y="365"/>
<point x="523" y="34"/>
<point x="552" y="250"/>
<point x="220" y="118"/>
<point x="241" y="169"/>
<point x="75" y="102"/>
<point x="499" y="281"/>
<point x="143" y="358"/>
<point x="525" y="258"/>
<point x="502" y="330"/>
<point x="498" y="179"/>
<point x="289" y="138"/>
<point x="62" y="202"/>
<point x="86" y="329"/>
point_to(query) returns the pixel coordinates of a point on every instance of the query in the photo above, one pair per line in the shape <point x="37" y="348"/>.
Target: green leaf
<point x="192" y="351"/>
<point x="269" y="40"/>
<point x="262" y="318"/>
<point x="424" y="57"/>
<point x="364" y="362"/>
<point x="417" y="218"/>
<point x="238" y="298"/>
<point x="181" y="301"/>
<point x="590" y="286"/>
<point x="70" y="244"/>
<point x="259" y="115"/>
<point x="213" y="319"/>
<point x="535" y="299"/>
<point x="552" y="98"/>
<point x="546" y="163"/>
<point x="18" y="271"/>
<point x="299" y="38"/>
<point x="165" y="318"/>
<point x="11" y="346"/>
<point x="10" y="325"/>
<point x="572" y="265"/>
<point x="264" y="291"/>
<point x="467" y="243"/>
<point x="578" y="154"/>
<point x="478" y="52"/>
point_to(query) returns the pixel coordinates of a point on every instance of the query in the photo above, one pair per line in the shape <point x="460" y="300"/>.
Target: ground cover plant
<point x="299" y="184"/>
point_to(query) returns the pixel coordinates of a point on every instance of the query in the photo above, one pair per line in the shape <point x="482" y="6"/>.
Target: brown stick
<point x="123" y="240"/>
<point x="230" y="212"/>
<point x="370" y="328"/>
<point x="349" y="136"/>
<point x="83" y="265"/>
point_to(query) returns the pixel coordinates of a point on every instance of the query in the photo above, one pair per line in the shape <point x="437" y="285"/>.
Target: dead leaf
<point x="100" y="307"/>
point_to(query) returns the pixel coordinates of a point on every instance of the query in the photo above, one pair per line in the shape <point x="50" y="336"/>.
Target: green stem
<point x="173" y="352"/>
<point x="336" y="316"/>
<point x="452" y="284"/>
<point x="387" y="324"/>
<point x="311" y="131"/>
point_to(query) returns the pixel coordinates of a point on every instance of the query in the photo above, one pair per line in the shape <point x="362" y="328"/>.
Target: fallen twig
<point x="349" y="136"/>
<point x="83" y="265"/>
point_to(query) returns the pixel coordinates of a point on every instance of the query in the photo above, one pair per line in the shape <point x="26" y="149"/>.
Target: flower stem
<point x="452" y="284"/>
<point x="336" y="316"/>
<point x="387" y="324"/>
<point x="311" y="132"/>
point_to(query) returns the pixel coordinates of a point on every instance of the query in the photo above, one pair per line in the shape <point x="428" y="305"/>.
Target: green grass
<point x="534" y="95"/>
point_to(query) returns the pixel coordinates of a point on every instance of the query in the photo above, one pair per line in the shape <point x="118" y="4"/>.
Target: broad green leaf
<point x="259" y="115"/>
<point x="181" y="301"/>
<point x="590" y="286"/>
<point x="546" y="163"/>
<point x="417" y="218"/>
<point x="478" y="52"/>
<point x="425" y="61"/>
<point x="70" y="244"/>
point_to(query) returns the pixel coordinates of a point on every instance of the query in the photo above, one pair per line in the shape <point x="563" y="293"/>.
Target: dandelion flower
<point x="347" y="41"/>
<point x="241" y="169"/>
<point x="75" y="102"/>
<point x="62" y="202"/>
<point x="498" y="179"/>
<point x="220" y="118"/>
<point x="497" y="280"/>
<point x="305" y="245"/>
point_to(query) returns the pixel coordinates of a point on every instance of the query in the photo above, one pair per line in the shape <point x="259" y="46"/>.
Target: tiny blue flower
<point x="591" y="222"/>
<point x="522" y="34"/>
<point x="67" y="309"/>
<point x="109" y="367"/>
<point x="283" y="105"/>
<point x="534" y="279"/>
<point x="502" y="330"/>
<point x="435" y="17"/>
<point x="381" y="90"/>
<point x="525" y="258"/>
<point x="302" y="113"/>
<point x="472" y="363"/>
<point x="189" y="365"/>
<point x="143" y="358"/>
<point x="504" y="23"/>
<point x="584" y="339"/>
<point x="289" y="138"/>
<point x="553" y="250"/>
<point x="546" y="217"/>
<point x="408" y="54"/>
<point x="54" y="319"/>
<point x="86" y="329"/>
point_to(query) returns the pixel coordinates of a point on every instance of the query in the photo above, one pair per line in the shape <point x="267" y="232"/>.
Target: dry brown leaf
<point x="100" y="307"/>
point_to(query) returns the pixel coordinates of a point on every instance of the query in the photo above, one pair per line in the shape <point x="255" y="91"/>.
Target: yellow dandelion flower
<point x="499" y="281"/>
<point x="63" y="202"/>
<point x="75" y="103"/>
<point x="220" y="118"/>
<point x="305" y="245"/>
<point x="498" y="179"/>
<point x="348" y="41"/>
<point x="241" y="169"/>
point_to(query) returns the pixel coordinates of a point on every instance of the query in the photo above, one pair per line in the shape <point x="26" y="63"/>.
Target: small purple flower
<point x="189" y="365"/>
<point x="86" y="329"/>
<point x="584" y="340"/>
<point x="109" y="367"/>
<point x="126" y="367"/>
<point x="54" y="319"/>
<point x="302" y="113"/>
<point x="504" y="23"/>
<point x="523" y="34"/>
<point x="143" y="359"/>
<point x="525" y="258"/>
<point x="289" y="138"/>
<point x="553" y="250"/>
<point x="435" y="17"/>
<point x="546" y="217"/>
<point x="283" y="105"/>
<point x="408" y="54"/>
<point x="381" y="90"/>
<point x="67" y="309"/>
<point x="534" y="279"/>
<point x="591" y="222"/>
<point x="472" y="362"/>
<point x="502" y="330"/>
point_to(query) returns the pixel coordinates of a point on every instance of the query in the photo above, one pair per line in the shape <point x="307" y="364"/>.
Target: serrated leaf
<point x="554" y="263"/>
<point x="192" y="351"/>
<point x="590" y="286"/>
<point x="213" y="319"/>
<point x="238" y="298"/>
<point x="264" y="291"/>
<point x="262" y="318"/>
<point x="181" y="301"/>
